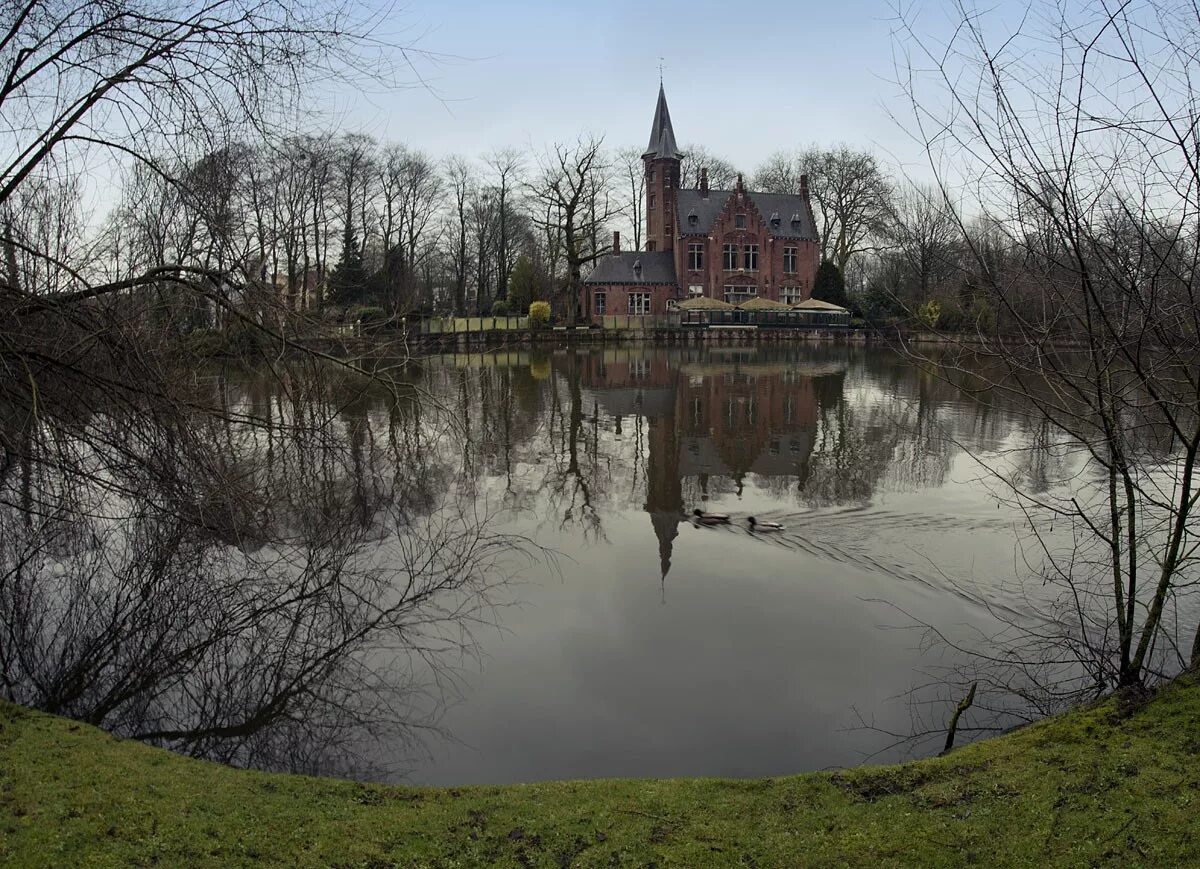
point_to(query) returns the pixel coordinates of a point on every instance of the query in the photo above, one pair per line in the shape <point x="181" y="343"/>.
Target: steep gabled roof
<point x="708" y="209"/>
<point x="662" y="134"/>
<point x="657" y="267"/>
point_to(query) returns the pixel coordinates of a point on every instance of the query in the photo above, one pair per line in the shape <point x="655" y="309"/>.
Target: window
<point x="695" y="257"/>
<point x="791" y="295"/>
<point x="789" y="260"/>
<point x="736" y="295"/>
<point x="697" y="411"/>
<point x="651" y="200"/>
<point x="751" y="258"/>
<point x="739" y="221"/>
<point x="639" y="303"/>
<point x="601" y="302"/>
<point x="695" y="291"/>
<point x="731" y="253"/>
<point x="651" y="245"/>
<point x="650" y="176"/>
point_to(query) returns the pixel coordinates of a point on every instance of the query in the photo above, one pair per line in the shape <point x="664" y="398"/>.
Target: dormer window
<point x="796" y="219"/>
<point x="775" y="218"/>
<point x="739" y="221"/>
<point x="637" y="269"/>
<point x="693" y="218"/>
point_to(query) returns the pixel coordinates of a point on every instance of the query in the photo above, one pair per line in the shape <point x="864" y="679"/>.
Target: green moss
<point x="1096" y="787"/>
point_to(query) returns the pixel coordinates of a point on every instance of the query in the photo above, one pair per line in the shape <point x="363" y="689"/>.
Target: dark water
<point x="648" y="646"/>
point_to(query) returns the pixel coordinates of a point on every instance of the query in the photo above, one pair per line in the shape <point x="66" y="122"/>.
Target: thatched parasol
<point x="818" y="305"/>
<point x="757" y="304"/>
<point x="703" y="303"/>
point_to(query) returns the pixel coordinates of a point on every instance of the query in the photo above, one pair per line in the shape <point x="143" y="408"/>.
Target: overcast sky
<point x="532" y="72"/>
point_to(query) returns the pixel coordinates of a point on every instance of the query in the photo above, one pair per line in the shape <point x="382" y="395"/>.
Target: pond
<point x="485" y="568"/>
<point x="646" y="645"/>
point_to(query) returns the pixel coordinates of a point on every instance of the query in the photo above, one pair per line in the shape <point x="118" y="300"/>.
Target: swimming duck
<point x="755" y="525"/>
<point x="710" y="518"/>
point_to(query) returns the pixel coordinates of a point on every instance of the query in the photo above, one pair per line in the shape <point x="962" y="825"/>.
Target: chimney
<point x="740" y="188"/>
<point x="616" y="242"/>
<point x="804" y="186"/>
<point x="704" y="181"/>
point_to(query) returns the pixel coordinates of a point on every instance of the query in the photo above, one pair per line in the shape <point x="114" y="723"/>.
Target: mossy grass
<point x="1107" y="785"/>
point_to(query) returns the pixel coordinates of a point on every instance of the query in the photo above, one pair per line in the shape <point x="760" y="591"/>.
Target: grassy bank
<point x="1092" y="787"/>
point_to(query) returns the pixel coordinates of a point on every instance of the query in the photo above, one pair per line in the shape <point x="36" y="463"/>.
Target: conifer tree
<point x="348" y="282"/>
<point x="829" y="286"/>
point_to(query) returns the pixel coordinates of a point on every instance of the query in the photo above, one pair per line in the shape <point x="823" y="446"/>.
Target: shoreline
<point x="1101" y="784"/>
<point x="423" y="344"/>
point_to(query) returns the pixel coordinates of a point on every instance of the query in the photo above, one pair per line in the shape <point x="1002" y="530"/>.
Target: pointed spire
<point x="662" y="134"/>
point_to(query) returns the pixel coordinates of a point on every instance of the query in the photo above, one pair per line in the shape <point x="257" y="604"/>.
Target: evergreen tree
<point x="522" y="284"/>
<point x="829" y="286"/>
<point x="348" y="282"/>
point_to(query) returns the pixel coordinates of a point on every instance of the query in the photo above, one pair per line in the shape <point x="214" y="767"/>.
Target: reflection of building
<point x="709" y="420"/>
<point x="732" y="245"/>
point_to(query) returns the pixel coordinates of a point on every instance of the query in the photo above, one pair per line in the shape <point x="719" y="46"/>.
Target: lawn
<point x="1102" y="785"/>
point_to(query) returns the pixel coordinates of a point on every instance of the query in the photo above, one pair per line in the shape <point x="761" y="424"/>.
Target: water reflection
<point x="675" y="429"/>
<point x="359" y="539"/>
<point x="602" y="455"/>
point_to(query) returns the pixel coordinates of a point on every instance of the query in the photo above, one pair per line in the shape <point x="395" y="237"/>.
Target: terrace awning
<point x="818" y="305"/>
<point x="757" y="304"/>
<point x="704" y="303"/>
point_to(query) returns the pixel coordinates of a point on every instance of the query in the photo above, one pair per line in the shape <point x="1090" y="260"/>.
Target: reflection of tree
<point x="229" y="585"/>
<point x="573" y="484"/>
<point x="633" y="428"/>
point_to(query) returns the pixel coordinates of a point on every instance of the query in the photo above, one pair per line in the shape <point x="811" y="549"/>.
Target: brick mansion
<point x="732" y="245"/>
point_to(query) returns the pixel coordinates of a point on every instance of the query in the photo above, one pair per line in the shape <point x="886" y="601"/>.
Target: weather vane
<point x="660" y="69"/>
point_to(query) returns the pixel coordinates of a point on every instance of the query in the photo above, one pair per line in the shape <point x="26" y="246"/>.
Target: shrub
<point x="500" y="308"/>
<point x="365" y="313"/>
<point x="539" y="313"/>
<point x="929" y="313"/>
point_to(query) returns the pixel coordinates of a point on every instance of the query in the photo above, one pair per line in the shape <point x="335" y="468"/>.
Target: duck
<point x="755" y="525"/>
<point x="710" y="518"/>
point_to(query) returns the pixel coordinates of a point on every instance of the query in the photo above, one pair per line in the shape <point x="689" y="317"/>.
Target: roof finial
<point x="660" y="71"/>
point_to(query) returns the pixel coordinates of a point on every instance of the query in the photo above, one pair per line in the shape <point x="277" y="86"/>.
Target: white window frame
<point x="639" y="300"/>
<point x="600" y="302"/>
<point x="750" y="257"/>
<point x="735" y="294"/>
<point x="695" y="291"/>
<point x="695" y="256"/>
<point x="791" y="295"/>
<point x="791" y="259"/>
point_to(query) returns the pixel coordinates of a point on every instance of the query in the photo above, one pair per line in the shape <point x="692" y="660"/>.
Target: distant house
<point x="732" y="245"/>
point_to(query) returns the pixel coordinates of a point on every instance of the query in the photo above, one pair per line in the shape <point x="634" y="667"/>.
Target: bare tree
<point x="459" y="180"/>
<point x="923" y="231"/>
<point x="506" y="166"/>
<point x="850" y="194"/>
<point x="722" y="174"/>
<point x="1093" y="192"/>
<point x="572" y="187"/>
<point x="632" y="179"/>
<point x="181" y="561"/>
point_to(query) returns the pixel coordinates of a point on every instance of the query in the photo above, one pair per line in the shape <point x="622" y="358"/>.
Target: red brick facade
<point x="729" y="245"/>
